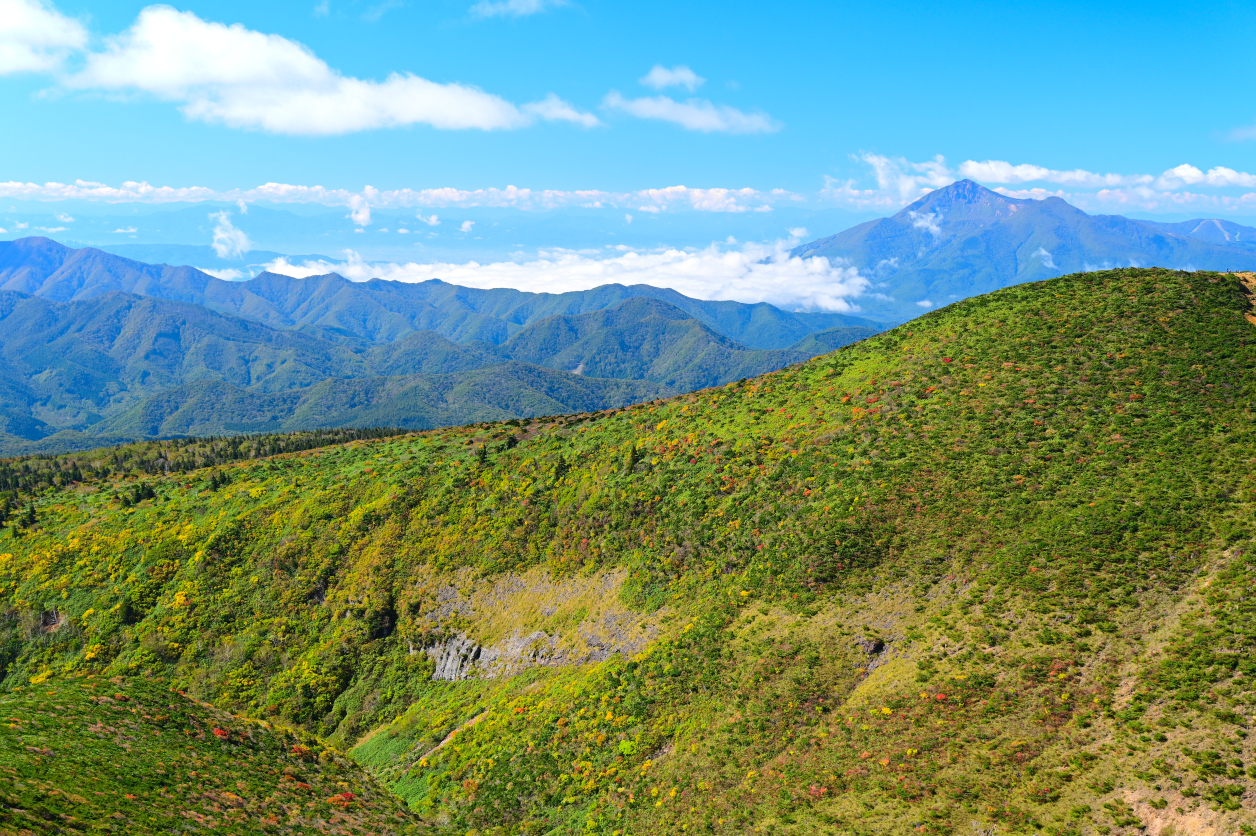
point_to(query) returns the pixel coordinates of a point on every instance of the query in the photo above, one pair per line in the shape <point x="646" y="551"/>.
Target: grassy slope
<point x="986" y="567"/>
<point x="97" y="755"/>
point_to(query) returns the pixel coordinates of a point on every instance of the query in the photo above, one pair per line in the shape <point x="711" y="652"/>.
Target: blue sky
<point x="1124" y="88"/>
<point x="687" y="144"/>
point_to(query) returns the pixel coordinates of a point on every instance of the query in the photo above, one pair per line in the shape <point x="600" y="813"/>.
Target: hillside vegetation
<point x="988" y="572"/>
<point x="98" y="755"/>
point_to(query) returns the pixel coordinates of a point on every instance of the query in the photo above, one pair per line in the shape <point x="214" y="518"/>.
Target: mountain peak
<point x="961" y="193"/>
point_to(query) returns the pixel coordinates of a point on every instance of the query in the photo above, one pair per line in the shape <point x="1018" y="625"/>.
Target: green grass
<point x="992" y="566"/>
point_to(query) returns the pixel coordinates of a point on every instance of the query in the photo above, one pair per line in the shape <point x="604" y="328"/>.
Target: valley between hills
<point x="987" y="572"/>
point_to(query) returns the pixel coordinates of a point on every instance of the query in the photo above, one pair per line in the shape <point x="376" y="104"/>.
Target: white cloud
<point x="374" y="13"/>
<point x="627" y="218"/>
<point x="660" y="77"/>
<point x="693" y="115"/>
<point x="554" y="109"/>
<point x="704" y="200"/>
<point x="243" y="206"/>
<point x="3" y="231"/>
<point x="322" y="8"/>
<point x="229" y="274"/>
<point x="927" y="221"/>
<point x="241" y="78"/>
<point x="925" y="303"/>
<point x="229" y="242"/>
<point x="670" y="197"/>
<point x="513" y="8"/>
<point x="359" y="209"/>
<point x="431" y="220"/>
<point x="64" y="218"/>
<point x="1219" y="177"/>
<point x="466" y="226"/>
<point x="998" y="171"/>
<point x="749" y="273"/>
<point x="1047" y="260"/>
<point x="129" y="230"/>
<point x="35" y="37"/>
<point x="52" y="228"/>
<point x="900" y="181"/>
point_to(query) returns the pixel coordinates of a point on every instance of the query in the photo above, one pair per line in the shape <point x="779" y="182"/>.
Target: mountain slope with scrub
<point x="990" y="571"/>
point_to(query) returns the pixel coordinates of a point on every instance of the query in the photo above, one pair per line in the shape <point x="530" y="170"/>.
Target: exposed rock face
<point x="532" y="609"/>
<point x="878" y="651"/>
<point x="454" y="658"/>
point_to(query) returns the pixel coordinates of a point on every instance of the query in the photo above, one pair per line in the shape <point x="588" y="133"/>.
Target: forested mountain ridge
<point x="125" y="366"/>
<point x="989" y="567"/>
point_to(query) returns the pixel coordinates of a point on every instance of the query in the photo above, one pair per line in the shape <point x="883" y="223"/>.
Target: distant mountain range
<point x="964" y="240"/>
<point x="95" y="346"/>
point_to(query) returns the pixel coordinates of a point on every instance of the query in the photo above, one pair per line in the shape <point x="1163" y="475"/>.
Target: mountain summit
<point x="964" y="240"/>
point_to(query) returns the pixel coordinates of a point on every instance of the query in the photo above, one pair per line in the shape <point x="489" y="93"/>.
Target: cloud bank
<point x="748" y="273"/>
<point x="359" y="203"/>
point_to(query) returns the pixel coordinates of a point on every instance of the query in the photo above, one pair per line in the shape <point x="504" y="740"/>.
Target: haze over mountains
<point x="964" y="240"/>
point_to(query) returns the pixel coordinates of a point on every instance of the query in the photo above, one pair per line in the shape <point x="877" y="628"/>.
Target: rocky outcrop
<point x="532" y="620"/>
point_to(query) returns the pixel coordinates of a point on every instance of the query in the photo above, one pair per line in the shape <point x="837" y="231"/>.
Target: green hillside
<point x="97" y="755"/>
<point x="989" y="572"/>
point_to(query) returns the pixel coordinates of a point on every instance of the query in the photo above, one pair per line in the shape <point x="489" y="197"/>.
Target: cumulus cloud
<point x="693" y="115"/>
<point x="1047" y="260"/>
<point x="64" y="217"/>
<point x="431" y="220"/>
<point x="925" y="303"/>
<point x="229" y="242"/>
<point x="513" y="8"/>
<point x="898" y="181"/>
<point x="748" y="273"/>
<point x="660" y="77"/>
<point x="466" y="226"/>
<point x="234" y="76"/>
<point x="126" y="230"/>
<point x="35" y="37"/>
